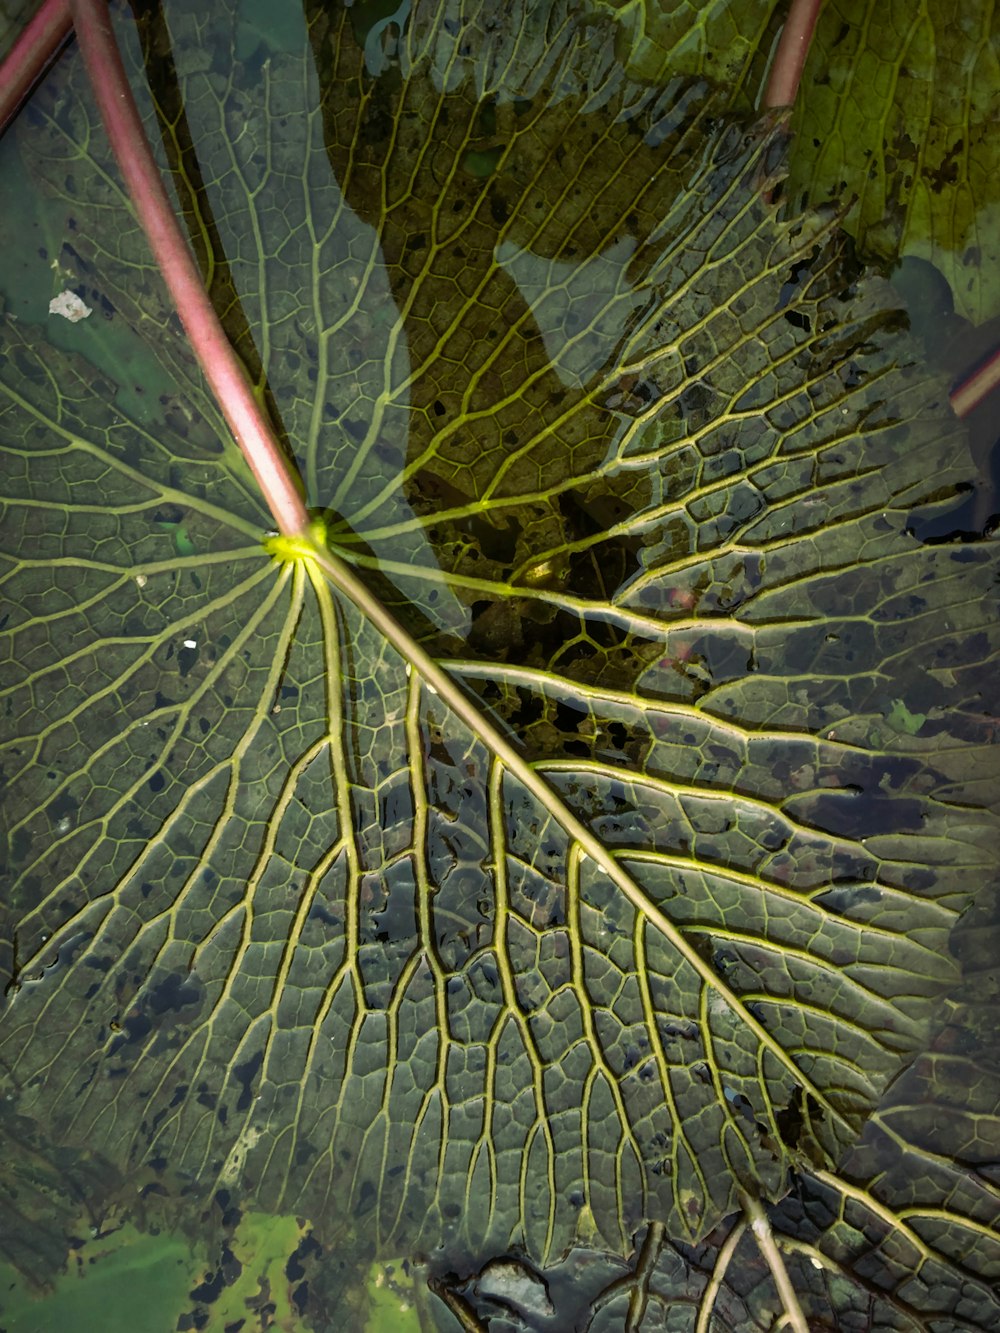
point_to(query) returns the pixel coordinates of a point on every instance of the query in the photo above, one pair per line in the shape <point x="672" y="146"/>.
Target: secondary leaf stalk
<point x="30" y="56"/>
<point x="225" y="373"/>
<point x="966" y="396"/>
<point x="790" y="57"/>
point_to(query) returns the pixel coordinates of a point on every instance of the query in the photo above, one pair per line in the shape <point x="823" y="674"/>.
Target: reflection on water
<point x="955" y="347"/>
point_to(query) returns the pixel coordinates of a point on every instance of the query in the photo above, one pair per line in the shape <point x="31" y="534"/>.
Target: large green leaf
<point x="639" y="462"/>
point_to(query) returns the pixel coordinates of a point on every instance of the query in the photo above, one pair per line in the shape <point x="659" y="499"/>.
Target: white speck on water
<point x="70" y="306"/>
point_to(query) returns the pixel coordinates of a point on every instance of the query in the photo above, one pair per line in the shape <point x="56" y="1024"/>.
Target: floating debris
<point x="70" y="306"/>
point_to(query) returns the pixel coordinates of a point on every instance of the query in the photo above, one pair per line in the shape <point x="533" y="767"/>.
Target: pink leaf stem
<point x="279" y="483"/>
<point x="30" y="56"/>
<point x="790" y="57"/>
<point x="970" y="392"/>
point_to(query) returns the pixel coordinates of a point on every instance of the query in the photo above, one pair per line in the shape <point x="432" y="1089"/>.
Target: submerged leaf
<point x="895" y="119"/>
<point x="724" y="41"/>
<point x="898" y="120"/>
<point x="637" y="461"/>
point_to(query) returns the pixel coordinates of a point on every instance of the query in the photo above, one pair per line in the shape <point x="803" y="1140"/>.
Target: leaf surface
<point x="636" y="461"/>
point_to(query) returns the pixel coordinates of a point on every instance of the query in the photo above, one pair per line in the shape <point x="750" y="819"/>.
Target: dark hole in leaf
<point x="173" y="993"/>
<point x="62" y="807"/>
<point x="210" y="1290"/>
<point x="186" y="659"/>
<point x="367" y="1196"/>
<point x="136" y="1027"/>
<point x="169" y="513"/>
<point x="319" y="912"/>
<point x="231" y="1214"/>
<point x="245" y="1074"/>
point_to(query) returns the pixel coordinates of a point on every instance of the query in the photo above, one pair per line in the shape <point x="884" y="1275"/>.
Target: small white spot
<point x="140" y="580"/>
<point x="761" y="1228"/>
<point x="64" y="824"/>
<point x="69" y="305"/>
<point x="190" y="643"/>
<point x="430" y="688"/>
<point x="409" y="670"/>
